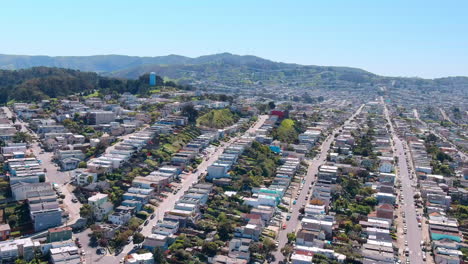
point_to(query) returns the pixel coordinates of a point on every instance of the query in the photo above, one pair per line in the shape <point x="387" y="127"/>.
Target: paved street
<point x="168" y="204"/>
<point x="414" y="234"/>
<point x="53" y="174"/>
<point x="294" y="224"/>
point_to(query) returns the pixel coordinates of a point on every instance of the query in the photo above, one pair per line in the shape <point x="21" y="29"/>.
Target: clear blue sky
<point x="390" y="37"/>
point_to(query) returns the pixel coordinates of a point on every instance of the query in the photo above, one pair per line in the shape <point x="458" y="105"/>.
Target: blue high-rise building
<point x="152" y="79"/>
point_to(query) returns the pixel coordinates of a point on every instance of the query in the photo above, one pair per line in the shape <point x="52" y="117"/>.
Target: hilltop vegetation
<point x="40" y="83"/>
<point x="218" y="118"/>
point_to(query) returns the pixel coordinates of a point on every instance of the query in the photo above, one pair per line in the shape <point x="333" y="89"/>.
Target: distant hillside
<point x="248" y="71"/>
<point x="98" y="63"/>
<point x="229" y="71"/>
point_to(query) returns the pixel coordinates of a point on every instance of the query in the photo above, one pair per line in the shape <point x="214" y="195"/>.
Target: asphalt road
<point x="53" y="175"/>
<point x="293" y="224"/>
<point x="414" y="234"/>
<point x="167" y="204"/>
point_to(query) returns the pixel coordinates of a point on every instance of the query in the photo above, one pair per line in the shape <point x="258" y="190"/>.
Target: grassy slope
<point x="217" y="119"/>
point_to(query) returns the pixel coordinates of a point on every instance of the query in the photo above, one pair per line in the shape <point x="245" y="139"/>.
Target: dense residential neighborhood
<point x="193" y="176"/>
<point x="234" y="132"/>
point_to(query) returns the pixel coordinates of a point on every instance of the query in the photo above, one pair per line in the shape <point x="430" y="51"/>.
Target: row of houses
<point x="58" y="247"/>
<point x="185" y="213"/>
<point x="317" y="224"/>
<point x="144" y="188"/>
<point x="218" y="172"/>
<point x="120" y="153"/>
<point x="437" y="193"/>
<point x="186" y="210"/>
<point x="192" y="150"/>
<point x="24" y="169"/>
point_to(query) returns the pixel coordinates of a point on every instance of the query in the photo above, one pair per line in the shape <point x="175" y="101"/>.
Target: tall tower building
<point x="152" y="79"/>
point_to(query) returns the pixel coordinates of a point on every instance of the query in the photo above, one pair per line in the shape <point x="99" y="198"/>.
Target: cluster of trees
<point x="352" y="201"/>
<point x="257" y="165"/>
<point x="217" y="97"/>
<point x="41" y="82"/>
<point x="22" y="137"/>
<point x="308" y="99"/>
<point x="4" y="187"/>
<point x="288" y="131"/>
<point x="179" y="255"/>
<point x="38" y="83"/>
<point x="460" y="212"/>
<point x="440" y="159"/>
<point x="264" y="108"/>
<point x="457" y="114"/>
<point x="121" y="236"/>
<point x="363" y="144"/>
<point x="17" y="215"/>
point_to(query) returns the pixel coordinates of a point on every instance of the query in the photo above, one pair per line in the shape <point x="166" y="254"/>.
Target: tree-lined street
<point x="292" y="225"/>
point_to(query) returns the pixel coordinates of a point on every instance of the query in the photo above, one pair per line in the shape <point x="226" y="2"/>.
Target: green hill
<point x="217" y="119"/>
<point x="39" y="83"/>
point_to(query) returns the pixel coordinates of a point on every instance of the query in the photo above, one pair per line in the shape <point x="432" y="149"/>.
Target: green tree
<point x="182" y="256"/>
<point x="224" y="230"/>
<point x="20" y="261"/>
<point x="271" y="105"/>
<point x="86" y="211"/>
<point x="134" y="223"/>
<point x="12" y="220"/>
<point x="210" y="248"/>
<point x="22" y="137"/>
<point x="138" y="238"/>
<point x="287" y="250"/>
<point x="90" y="179"/>
<point x="190" y="112"/>
<point x="291" y="237"/>
<point x="149" y="209"/>
<point x="82" y="165"/>
<point x="158" y="255"/>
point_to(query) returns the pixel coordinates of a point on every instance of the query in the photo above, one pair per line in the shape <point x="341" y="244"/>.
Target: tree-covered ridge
<point x="40" y="83"/>
<point x="218" y="118"/>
